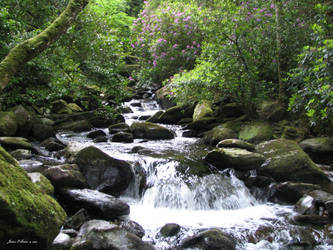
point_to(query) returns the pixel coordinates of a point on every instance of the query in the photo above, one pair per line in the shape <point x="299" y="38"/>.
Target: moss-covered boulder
<point x="41" y="131"/>
<point x="26" y="212"/>
<point x="320" y="149"/>
<point x="217" y="134"/>
<point x="204" y="124"/>
<point x="239" y="159"/>
<point x="175" y="114"/>
<point x="74" y="107"/>
<point x="60" y="107"/>
<point x="75" y="126"/>
<point x="286" y="161"/>
<point x="42" y="183"/>
<point x="155" y="117"/>
<point x="12" y="143"/>
<point x="163" y="97"/>
<point x="202" y="109"/>
<point x="147" y="130"/>
<point x="26" y="119"/>
<point x="122" y="137"/>
<point x="271" y="110"/>
<point x="119" y="127"/>
<point x="170" y="229"/>
<point x="235" y="143"/>
<point x="256" y="132"/>
<point x="8" y="124"/>
<point x="230" y="110"/>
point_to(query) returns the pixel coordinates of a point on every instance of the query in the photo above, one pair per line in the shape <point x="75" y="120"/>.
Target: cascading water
<point x="174" y="195"/>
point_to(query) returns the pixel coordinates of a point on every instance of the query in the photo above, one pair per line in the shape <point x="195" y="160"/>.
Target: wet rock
<point x="144" y="117"/>
<point x="147" y="130"/>
<point x="21" y="154"/>
<point x="312" y="219"/>
<point x="256" y="132"/>
<point x="42" y="131"/>
<point x="235" y="143"/>
<point x="103" y="172"/>
<point x="75" y="126"/>
<point x="120" y="127"/>
<point x="100" y="138"/>
<point x="122" y="137"/>
<point x="291" y="192"/>
<point x="42" y="182"/>
<point x="98" y="205"/>
<point x="136" y="104"/>
<point x="320" y="149"/>
<point x="126" y="110"/>
<point x="314" y="203"/>
<point x="190" y="133"/>
<point x="239" y="159"/>
<point x="174" y="114"/>
<point x="65" y="176"/>
<point x="99" y="235"/>
<point x="77" y="220"/>
<point x="155" y="117"/>
<point x="96" y="133"/>
<point x="8" y="124"/>
<point x="218" y="134"/>
<point x="60" y="107"/>
<point x="210" y="239"/>
<point x="12" y="143"/>
<point x="170" y="229"/>
<point x="133" y="227"/>
<point x="202" y="125"/>
<point x="27" y="213"/>
<point x="141" y="150"/>
<point x="31" y="166"/>
<point x="271" y="110"/>
<point x="163" y="97"/>
<point x="53" y="144"/>
<point x="202" y="110"/>
<point x="62" y="242"/>
<point x="230" y="110"/>
<point x="25" y="119"/>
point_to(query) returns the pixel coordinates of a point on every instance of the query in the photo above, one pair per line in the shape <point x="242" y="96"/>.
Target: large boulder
<point x="26" y="119"/>
<point x="286" y="161"/>
<point x="239" y="159"/>
<point x="235" y="143"/>
<point x="13" y="143"/>
<point x="202" y="109"/>
<point x="75" y="126"/>
<point x="163" y="98"/>
<point x="174" y="114"/>
<point x="230" y="110"/>
<point x="147" y="130"/>
<point x="170" y="229"/>
<point x="99" y="235"/>
<point x="204" y="124"/>
<point x="26" y="212"/>
<point x="271" y="110"/>
<point x="320" y="149"/>
<point x="256" y="132"/>
<point x="61" y="107"/>
<point x="41" y="131"/>
<point x="217" y="134"/>
<point x="98" y="204"/>
<point x="103" y="172"/>
<point x="8" y="124"/>
<point x="42" y="183"/>
<point x="122" y="137"/>
<point x="155" y="117"/>
<point x="119" y="127"/>
<point x="209" y="239"/>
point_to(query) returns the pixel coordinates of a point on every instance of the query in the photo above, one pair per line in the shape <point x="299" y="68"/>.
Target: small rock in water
<point x="31" y="166"/>
<point x="100" y="138"/>
<point x="122" y="137"/>
<point x="77" y="220"/>
<point x="170" y="229"/>
<point x="96" y="133"/>
<point x="133" y="227"/>
<point x="21" y="154"/>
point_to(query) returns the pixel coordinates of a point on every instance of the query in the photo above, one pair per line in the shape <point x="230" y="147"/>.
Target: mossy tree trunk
<point x="27" y="50"/>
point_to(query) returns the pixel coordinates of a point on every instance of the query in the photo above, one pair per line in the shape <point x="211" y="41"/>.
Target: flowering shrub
<point x="168" y="39"/>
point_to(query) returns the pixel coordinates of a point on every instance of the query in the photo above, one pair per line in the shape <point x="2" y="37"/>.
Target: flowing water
<point x="214" y="200"/>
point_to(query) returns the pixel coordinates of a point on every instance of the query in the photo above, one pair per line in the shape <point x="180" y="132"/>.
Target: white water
<point x="195" y="203"/>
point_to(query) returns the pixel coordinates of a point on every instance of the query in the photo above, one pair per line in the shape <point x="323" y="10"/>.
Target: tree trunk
<point x="27" y="50"/>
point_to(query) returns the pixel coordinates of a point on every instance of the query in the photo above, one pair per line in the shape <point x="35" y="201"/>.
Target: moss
<point x="202" y="109"/>
<point x="8" y="124"/>
<point x="26" y="212"/>
<point x="256" y="132"/>
<point x="15" y="143"/>
<point x="218" y="134"/>
<point x="42" y="183"/>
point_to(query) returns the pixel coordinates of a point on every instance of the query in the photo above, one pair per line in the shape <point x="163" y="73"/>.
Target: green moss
<point x="42" y="183"/>
<point x="25" y="212"/>
<point x="256" y="132"/>
<point x="202" y="109"/>
<point x="8" y="124"/>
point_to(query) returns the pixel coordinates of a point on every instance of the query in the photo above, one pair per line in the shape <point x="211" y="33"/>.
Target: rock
<point x="235" y="143"/>
<point x="155" y="118"/>
<point x="210" y="239"/>
<point x="239" y="159"/>
<point x="96" y="133"/>
<point x="119" y="127"/>
<point x="147" y="130"/>
<point x="320" y="149"/>
<point x="133" y="227"/>
<point x="77" y="220"/>
<point x="256" y="132"/>
<point x="74" y="107"/>
<point x="291" y="192"/>
<point x="102" y="119"/>
<point x="13" y="143"/>
<point x="202" y="125"/>
<point x="144" y="117"/>
<point x="122" y="137"/>
<point x="100" y="138"/>
<point x="21" y="154"/>
<point x="312" y="219"/>
<point x="217" y="134"/>
<point x="31" y="166"/>
<point x="25" y="120"/>
<point x="271" y="110"/>
<point x="62" y="242"/>
<point x="329" y="208"/>
<point x="53" y="144"/>
<point x="314" y="203"/>
<point x="190" y="133"/>
<point x="42" y="131"/>
<point x="27" y="213"/>
<point x="202" y="110"/>
<point x="75" y="126"/>
<point x="230" y="110"/>
<point x="103" y="172"/>
<point x="174" y="114"/>
<point x="99" y="235"/>
<point x="8" y="124"/>
<point x="65" y="176"/>
<point x="170" y="229"/>
<point x="98" y="205"/>
<point x="286" y="161"/>
<point x="163" y="97"/>
<point x="60" y="107"/>
<point x="136" y="104"/>
<point x="42" y="182"/>
<point x="126" y="110"/>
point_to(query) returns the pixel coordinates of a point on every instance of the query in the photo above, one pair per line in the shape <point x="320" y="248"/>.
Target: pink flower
<point x="130" y="78"/>
<point x="174" y="46"/>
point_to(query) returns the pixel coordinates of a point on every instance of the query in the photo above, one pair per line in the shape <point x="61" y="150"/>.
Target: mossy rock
<point x="164" y="97"/>
<point x="255" y="132"/>
<point x="75" y="126"/>
<point x="271" y="110"/>
<point x="42" y="183"/>
<point x="119" y="127"/>
<point x="230" y="110"/>
<point x="155" y="117"/>
<point x="202" y="109"/>
<point x="74" y="107"/>
<point x="235" y="143"/>
<point x="217" y="134"/>
<point x="60" y="107"/>
<point x="147" y="130"/>
<point x="286" y="161"/>
<point x="320" y="149"/>
<point x="26" y="212"/>
<point x="8" y="124"/>
<point x="15" y="143"/>
<point x="204" y="124"/>
<point x="25" y="120"/>
<point x="175" y="114"/>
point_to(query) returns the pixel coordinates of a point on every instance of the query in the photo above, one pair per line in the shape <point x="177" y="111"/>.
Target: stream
<point x="213" y="200"/>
